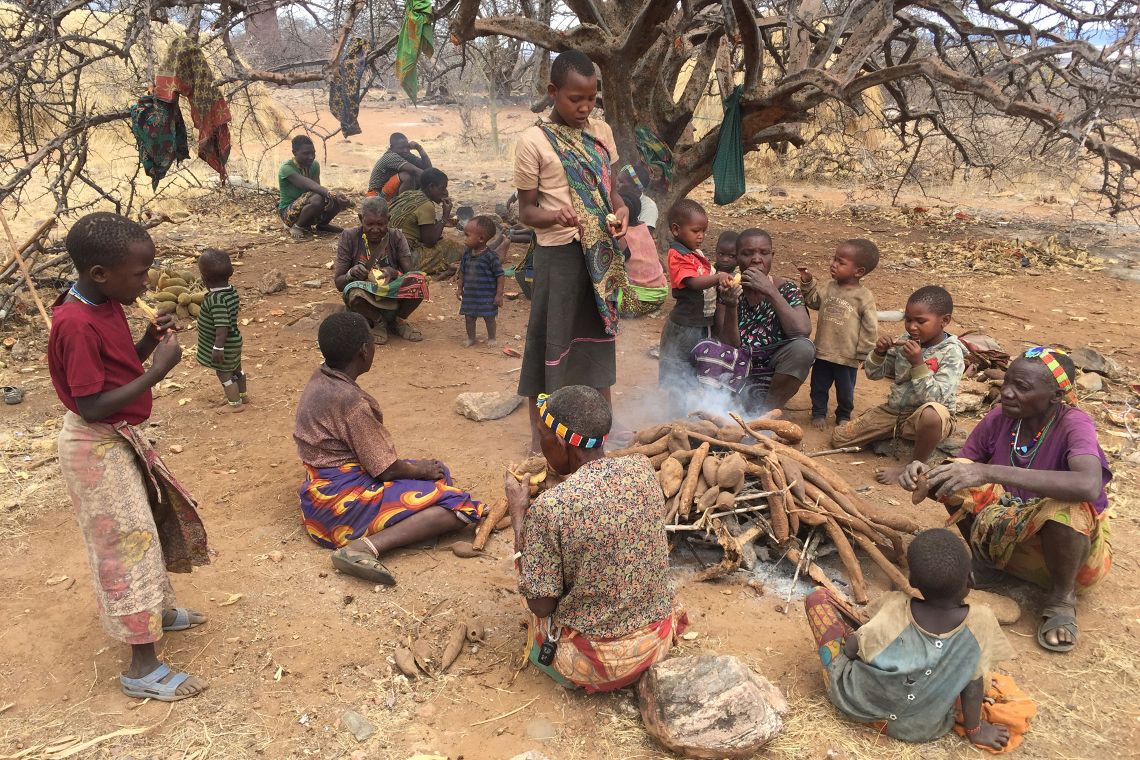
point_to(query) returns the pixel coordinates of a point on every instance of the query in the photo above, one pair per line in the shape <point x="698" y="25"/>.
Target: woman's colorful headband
<point x="630" y="172"/>
<point x="559" y="428"/>
<point x="1059" y="374"/>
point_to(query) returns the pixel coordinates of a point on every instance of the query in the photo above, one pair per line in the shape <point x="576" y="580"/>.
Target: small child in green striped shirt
<point x="219" y="339"/>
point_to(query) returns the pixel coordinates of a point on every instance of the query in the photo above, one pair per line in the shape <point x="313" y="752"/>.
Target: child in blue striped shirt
<point x="481" y="278"/>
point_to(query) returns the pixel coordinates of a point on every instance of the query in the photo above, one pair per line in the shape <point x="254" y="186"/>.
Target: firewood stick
<point x="825" y="502"/>
<point x="897" y="578"/>
<point x="42" y="230"/>
<point x="851" y="502"/>
<point x="689" y="486"/>
<point x="24" y="269"/>
<point x="841" y="450"/>
<point x="850" y="562"/>
<point x="659" y="446"/>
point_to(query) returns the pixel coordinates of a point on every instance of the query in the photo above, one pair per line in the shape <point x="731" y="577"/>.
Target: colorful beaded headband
<point x="630" y="172"/>
<point x="1059" y="374"/>
<point x="560" y="429"/>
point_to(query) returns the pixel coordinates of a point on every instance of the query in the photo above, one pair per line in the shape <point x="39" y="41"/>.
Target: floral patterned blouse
<point x="595" y="542"/>
<point x="760" y="328"/>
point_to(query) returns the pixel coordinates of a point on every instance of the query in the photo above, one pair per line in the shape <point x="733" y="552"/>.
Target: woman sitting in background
<point x="400" y="291"/>
<point x="413" y="213"/>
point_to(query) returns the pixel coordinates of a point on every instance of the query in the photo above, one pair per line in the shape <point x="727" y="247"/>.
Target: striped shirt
<point x="219" y="308"/>
<point x="389" y="164"/>
<point x="479" y="273"/>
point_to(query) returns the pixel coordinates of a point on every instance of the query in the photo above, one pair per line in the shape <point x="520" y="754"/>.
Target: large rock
<point x="1088" y="360"/>
<point x="486" y="406"/>
<point x="710" y="707"/>
<point x="272" y="282"/>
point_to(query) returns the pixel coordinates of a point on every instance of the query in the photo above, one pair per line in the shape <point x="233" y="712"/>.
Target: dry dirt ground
<point x="302" y="644"/>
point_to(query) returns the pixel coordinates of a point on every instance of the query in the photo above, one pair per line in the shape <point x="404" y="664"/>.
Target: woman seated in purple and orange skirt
<point x="358" y="497"/>
<point x="1028" y="491"/>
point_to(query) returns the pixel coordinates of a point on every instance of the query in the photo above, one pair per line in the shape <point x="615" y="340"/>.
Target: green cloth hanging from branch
<point x="728" y="165"/>
<point x="416" y="37"/>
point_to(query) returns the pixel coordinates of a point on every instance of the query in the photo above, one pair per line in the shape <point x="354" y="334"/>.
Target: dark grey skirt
<point x="566" y="342"/>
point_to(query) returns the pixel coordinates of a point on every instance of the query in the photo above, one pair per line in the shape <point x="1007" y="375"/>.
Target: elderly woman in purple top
<point x="1029" y="491"/>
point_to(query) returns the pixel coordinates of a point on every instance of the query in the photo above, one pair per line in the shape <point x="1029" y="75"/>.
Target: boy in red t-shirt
<point x="108" y="466"/>
<point x="694" y="285"/>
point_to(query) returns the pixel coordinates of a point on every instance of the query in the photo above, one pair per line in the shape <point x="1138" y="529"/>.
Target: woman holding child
<point x="399" y="292"/>
<point x="1028" y="492"/>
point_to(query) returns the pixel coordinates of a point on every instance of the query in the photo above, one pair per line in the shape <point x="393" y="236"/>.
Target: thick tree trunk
<point x="265" y="29"/>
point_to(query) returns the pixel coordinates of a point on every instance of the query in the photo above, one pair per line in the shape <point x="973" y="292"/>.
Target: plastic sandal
<point x="1056" y="617"/>
<point x="12" y="394"/>
<point x="362" y="565"/>
<point x="151" y="685"/>
<point x="181" y="621"/>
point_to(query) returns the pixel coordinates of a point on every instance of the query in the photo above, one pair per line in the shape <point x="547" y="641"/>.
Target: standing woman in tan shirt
<point x="566" y="194"/>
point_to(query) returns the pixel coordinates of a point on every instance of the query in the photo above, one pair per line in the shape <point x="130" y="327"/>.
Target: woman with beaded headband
<point x="1028" y="491"/>
<point x="593" y="562"/>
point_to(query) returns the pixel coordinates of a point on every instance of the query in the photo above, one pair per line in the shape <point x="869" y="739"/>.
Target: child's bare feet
<point x="492" y="342"/>
<point x="991" y="735"/>
<point x="889" y="476"/>
<point x="819" y="423"/>
<point x="469" y="342"/>
<point x="231" y="408"/>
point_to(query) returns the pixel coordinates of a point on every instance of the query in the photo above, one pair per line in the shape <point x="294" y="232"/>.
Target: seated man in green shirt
<point x="304" y="203"/>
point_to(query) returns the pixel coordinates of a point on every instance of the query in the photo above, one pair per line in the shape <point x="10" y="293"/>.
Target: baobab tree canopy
<point x="1060" y="73"/>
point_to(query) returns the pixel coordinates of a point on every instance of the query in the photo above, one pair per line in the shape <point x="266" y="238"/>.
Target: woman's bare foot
<point x="469" y="343"/>
<point x="889" y="476"/>
<point x="231" y="408"/>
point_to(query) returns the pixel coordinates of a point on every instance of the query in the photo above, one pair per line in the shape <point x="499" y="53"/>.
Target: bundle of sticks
<point x="719" y="476"/>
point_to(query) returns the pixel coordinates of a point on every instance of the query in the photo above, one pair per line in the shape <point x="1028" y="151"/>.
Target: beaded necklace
<point x="79" y="296"/>
<point x="1029" y="451"/>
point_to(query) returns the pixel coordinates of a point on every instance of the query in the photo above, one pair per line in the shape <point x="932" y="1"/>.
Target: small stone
<point x="913" y="263"/>
<point x="486" y="406"/>
<point x="276" y="555"/>
<point x="312" y="284"/>
<point x="710" y="707"/>
<point x="778" y="192"/>
<point x="1090" y="382"/>
<point x="176" y="449"/>
<point x="19" y="351"/>
<point x="272" y="282"/>
<point x="540" y="728"/>
<point x="531" y="755"/>
<point x="357" y="725"/>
